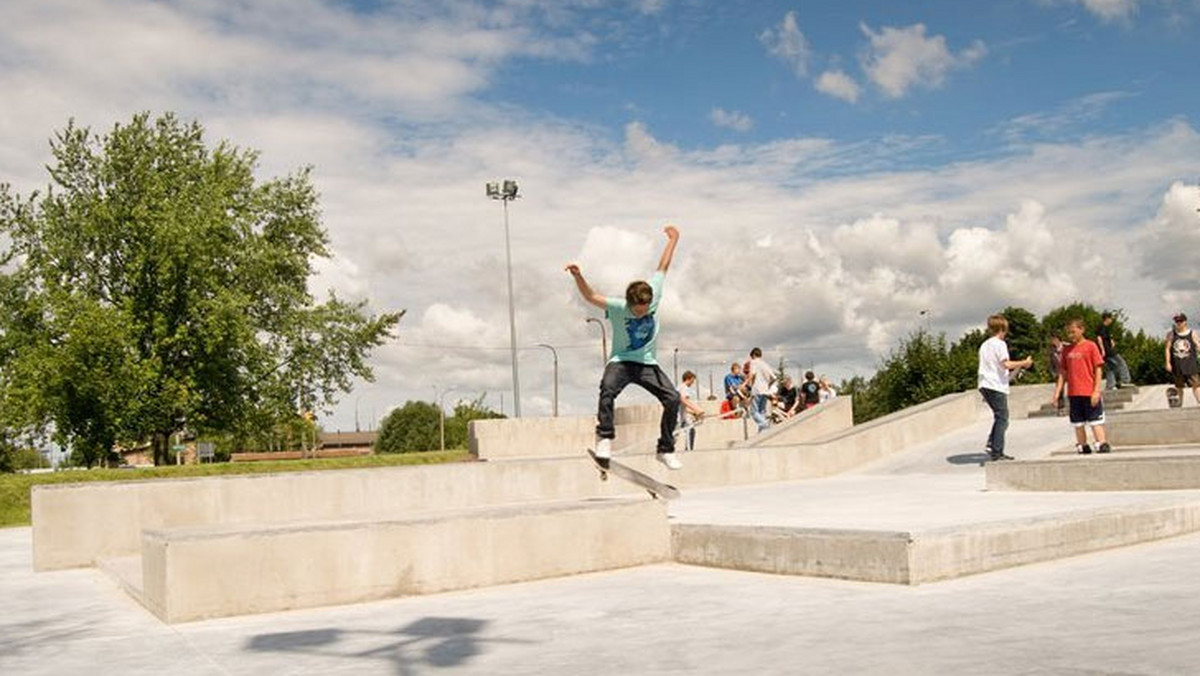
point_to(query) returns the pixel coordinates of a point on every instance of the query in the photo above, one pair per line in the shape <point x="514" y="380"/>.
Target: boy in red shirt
<point x="1082" y="372"/>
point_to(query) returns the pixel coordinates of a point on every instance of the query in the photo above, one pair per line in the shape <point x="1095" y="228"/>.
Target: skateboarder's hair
<point x="639" y="293"/>
<point x="996" y="324"/>
<point x="1074" y="321"/>
<point x="756" y="352"/>
<point x="688" y="375"/>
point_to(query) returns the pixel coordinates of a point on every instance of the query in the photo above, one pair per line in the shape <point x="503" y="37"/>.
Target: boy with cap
<point x="1182" y="363"/>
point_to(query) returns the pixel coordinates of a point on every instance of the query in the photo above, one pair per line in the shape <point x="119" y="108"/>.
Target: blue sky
<point x="842" y="173"/>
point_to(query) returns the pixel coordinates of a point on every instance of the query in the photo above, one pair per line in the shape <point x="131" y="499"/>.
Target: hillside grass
<point x="15" y="488"/>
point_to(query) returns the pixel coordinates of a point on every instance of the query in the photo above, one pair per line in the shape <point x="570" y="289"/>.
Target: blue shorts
<point x="1083" y="413"/>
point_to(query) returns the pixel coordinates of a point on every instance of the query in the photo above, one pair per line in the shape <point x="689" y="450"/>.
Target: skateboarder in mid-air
<point x="635" y="330"/>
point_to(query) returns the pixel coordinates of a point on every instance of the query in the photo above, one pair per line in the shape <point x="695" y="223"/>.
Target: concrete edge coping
<point x="1144" y="456"/>
<point x="1153" y="503"/>
<point x="896" y="416"/>
<point x="217" y="531"/>
<point x="809" y="531"/>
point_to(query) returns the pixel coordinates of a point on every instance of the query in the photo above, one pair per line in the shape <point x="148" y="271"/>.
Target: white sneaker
<point x="670" y="460"/>
<point x="604" y="449"/>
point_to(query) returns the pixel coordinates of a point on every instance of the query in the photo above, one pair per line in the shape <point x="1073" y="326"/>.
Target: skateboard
<point x="1174" y="397"/>
<point x="654" y="487"/>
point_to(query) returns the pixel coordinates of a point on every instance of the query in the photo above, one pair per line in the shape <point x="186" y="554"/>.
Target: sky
<point x="842" y="174"/>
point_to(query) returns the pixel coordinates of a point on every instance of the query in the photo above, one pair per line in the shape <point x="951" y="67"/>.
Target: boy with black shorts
<point x="1082" y="373"/>
<point x="1182" y="363"/>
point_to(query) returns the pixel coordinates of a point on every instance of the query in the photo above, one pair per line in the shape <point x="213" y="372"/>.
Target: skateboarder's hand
<point x="672" y="232"/>
<point x="1095" y="398"/>
<point x="572" y="268"/>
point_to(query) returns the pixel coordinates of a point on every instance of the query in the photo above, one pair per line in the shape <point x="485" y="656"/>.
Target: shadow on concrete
<point x="967" y="459"/>
<point x="427" y="642"/>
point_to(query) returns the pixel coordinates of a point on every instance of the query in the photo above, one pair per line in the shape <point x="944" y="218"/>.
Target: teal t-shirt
<point x="634" y="338"/>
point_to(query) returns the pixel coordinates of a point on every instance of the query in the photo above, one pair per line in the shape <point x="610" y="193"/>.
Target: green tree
<point x="458" y="426"/>
<point x="411" y="428"/>
<point x="156" y="285"/>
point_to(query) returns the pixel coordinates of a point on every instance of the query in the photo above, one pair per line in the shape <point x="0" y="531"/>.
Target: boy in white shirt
<point x="994" y="369"/>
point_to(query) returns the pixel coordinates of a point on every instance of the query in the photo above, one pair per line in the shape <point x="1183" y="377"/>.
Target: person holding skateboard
<point x="1182" y="361"/>
<point x="635" y="329"/>
<point x="993" y="372"/>
<point x="1082" y="373"/>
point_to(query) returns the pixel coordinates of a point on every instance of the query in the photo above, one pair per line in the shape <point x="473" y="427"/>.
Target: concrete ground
<point x="1134" y="610"/>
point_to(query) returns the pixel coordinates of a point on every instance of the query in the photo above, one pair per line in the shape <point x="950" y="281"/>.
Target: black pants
<point x="619" y="374"/>
<point x="998" y="402"/>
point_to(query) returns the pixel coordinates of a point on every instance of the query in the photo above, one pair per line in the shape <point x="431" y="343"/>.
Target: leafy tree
<point x="1026" y="336"/>
<point x="411" y="428"/>
<point x="156" y="284"/>
<point x="458" y="426"/>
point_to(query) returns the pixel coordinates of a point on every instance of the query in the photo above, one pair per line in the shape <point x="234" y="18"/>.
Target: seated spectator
<point x="788" y="398"/>
<point x="827" y="391"/>
<point x="811" y="391"/>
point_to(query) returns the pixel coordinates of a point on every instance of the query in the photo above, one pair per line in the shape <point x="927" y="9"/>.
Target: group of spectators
<point x="754" y="388"/>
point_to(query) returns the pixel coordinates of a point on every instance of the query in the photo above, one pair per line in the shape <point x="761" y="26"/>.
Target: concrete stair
<point x="1114" y="400"/>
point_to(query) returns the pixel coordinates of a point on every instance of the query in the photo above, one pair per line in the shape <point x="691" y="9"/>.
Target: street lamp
<point x="442" y="414"/>
<point x="555" y="353"/>
<point x="507" y="192"/>
<point x="603" y="339"/>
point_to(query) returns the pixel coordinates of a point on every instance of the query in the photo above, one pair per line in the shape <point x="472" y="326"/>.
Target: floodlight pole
<point x="506" y="192"/>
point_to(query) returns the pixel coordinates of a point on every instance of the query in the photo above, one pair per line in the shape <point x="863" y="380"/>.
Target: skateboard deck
<point x="653" y="486"/>
<point x="1174" y="397"/>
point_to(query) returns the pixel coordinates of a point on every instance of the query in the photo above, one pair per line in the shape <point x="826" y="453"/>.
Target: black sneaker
<point x="994" y="457"/>
<point x="1083" y="449"/>
<point x="1104" y="448"/>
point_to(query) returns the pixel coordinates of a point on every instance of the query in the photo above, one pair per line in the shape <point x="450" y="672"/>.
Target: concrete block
<point x="918" y="557"/>
<point x="217" y="571"/>
<point x="1154" y="427"/>
<point x="1096" y="473"/>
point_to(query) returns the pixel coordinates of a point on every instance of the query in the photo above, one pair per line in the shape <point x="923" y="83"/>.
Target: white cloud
<point x="839" y="85"/>
<point x="1168" y="244"/>
<point x="731" y="119"/>
<point x="1111" y="10"/>
<point x="787" y="43"/>
<point x="899" y="59"/>
<point x="1062" y="119"/>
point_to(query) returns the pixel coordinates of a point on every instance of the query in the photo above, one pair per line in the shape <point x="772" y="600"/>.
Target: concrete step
<point x="224" y="570"/>
<point x="1153" y="427"/>
<point x="1108" y="472"/>
<point x="918" y="556"/>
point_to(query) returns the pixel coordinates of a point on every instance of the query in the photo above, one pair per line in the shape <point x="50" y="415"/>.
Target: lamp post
<point x="555" y="353"/>
<point x="603" y="339"/>
<point x="442" y="415"/>
<point x="675" y="361"/>
<point x="507" y="192"/>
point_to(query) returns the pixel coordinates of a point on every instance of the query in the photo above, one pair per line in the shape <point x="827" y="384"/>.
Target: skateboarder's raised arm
<point x="668" y="253"/>
<point x="585" y="289"/>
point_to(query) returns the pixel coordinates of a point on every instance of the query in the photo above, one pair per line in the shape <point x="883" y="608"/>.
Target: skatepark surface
<point x="1132" y="610"/>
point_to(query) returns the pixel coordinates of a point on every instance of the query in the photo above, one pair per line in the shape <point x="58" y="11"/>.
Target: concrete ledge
<point x="76" y="525"/>
<point x="195" y="573"/>
<point x="1154" y="427"/>
<point x="1097" y="473"/>
<point x="918" y="557"/>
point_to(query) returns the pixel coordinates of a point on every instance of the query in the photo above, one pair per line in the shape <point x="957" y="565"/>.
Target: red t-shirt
<point x="1079" y="364"/>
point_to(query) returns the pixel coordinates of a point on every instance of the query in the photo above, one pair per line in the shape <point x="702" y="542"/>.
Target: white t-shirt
<point x="762" y="377"/>
<point x="992" y="374"/>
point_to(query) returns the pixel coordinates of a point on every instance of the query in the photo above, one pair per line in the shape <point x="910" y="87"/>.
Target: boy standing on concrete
<point x="1182" y="362"/>
<point x="761" y="377"/>
<point x="994" y="367"/>
<point x="1082" y="373"/>
<point x="635" y="330"/>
